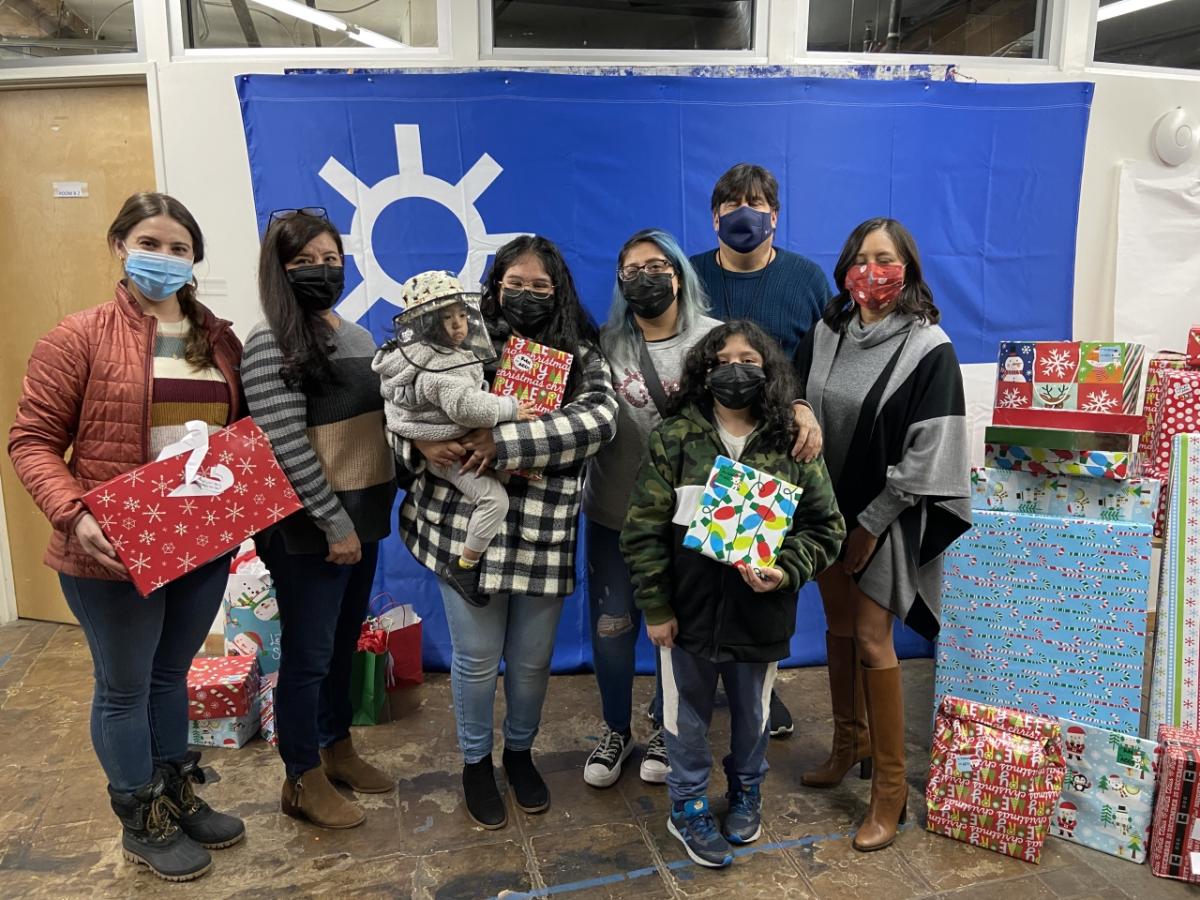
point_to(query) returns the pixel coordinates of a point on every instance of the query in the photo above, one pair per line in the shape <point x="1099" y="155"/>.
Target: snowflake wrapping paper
<point x="1045" y="461"/>
<point x="995" y="776"/>
<point x="163" y="527"/>
<point x="1175" y="838"/>
<point x="252" y="626"/>
<point x="1088" y="376"/>
<point x="1008" y="490"/>
<point x="1161" y="362"/>
<point x="1108" y="794"/>
<point x="221" y="687"/>
<point x="1047" y="615"/>
<point x="743" y="515"/>
<point x="1175" y="683"/>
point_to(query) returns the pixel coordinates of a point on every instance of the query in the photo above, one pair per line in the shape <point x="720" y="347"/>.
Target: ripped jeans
<point x="616" y="625"/>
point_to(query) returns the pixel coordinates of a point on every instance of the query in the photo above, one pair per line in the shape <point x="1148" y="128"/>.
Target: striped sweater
<point x="331" y="443"/>
<point x="182" y="393"/>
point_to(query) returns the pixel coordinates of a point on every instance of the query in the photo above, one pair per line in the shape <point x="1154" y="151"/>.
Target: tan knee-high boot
<point x="889" y="790"/>
<point x="851" y="738"/>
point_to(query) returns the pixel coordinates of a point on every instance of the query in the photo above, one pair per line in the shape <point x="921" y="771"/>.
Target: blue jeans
<point x="141" y="652"/>
<point x="518" y="629"/>
<point x="689" y="688"/>
<point x="321" y="610"/>
<point x="616" y="627"/>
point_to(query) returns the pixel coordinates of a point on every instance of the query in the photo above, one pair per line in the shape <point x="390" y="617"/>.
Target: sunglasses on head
<point x="318" y="212"/>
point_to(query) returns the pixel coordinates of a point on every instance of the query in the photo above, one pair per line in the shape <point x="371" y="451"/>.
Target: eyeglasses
<point x="538" y="290"/>
<point x="653" y="267"/>
<point x="318" y="212"/>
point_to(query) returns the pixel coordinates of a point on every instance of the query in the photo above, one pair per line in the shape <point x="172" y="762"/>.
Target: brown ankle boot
<point x="312" y="797"/>
<point x="342" y="763"/>
<point x="889" y="790"/>
<point x="851" y="738"/>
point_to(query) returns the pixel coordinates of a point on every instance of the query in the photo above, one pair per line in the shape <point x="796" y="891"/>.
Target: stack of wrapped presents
<point x="1044" y="724"/>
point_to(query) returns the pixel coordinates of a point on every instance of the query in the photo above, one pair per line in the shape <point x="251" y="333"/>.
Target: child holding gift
<point x="708" y="619"/>
<point x="432" y="383"/>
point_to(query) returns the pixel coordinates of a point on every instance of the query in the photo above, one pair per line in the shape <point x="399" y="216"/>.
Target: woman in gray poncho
<point x="886" y="388"/>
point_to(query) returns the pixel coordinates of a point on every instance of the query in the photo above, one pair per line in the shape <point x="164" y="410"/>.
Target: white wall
<point x="201" y="156"/>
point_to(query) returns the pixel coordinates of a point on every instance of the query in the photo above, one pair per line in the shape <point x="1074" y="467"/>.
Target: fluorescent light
<point x="307" y="13"/>
<point x="1125" y="7"/>
<point x="372" y="38"/>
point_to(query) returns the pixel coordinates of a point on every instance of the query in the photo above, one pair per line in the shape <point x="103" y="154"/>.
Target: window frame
<point x="300" y="57"/>
<point x="137" y="58"/>
<point x="1133" y="69"/>
<point x="756" y="55"/>
<point x="1053" y="12"/>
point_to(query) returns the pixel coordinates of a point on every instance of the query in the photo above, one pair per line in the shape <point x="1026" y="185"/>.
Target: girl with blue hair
<point x="658" y="314"/>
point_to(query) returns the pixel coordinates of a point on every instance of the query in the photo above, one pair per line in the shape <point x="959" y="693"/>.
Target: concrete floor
<point x="59" y="839"/>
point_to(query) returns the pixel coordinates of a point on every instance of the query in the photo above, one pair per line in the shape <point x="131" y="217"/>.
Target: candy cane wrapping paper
<point x="995" y="776"/>
<point x="1175" y="684"/>
<point x="1047" y="615"/>
<point x="1108" y="793"/>
<point x="222" y="686"/>
<point x="743" y="515"/>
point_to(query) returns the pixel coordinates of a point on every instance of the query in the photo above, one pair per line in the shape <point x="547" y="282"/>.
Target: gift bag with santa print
<point x="1108" y="793"/>
<point x="252" y="626"/>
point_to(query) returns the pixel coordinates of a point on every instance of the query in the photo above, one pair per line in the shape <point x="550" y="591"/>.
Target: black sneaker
<point x="655" y="765"/>
<point x="150" y="837"/>
<point x="603" y="767"/>
<point x="696" y="829"/>
<point x="199" y="821"/>
<point x="743" y="823"/>
<point x="781" y="719"/>
<point x="464" y="582"/>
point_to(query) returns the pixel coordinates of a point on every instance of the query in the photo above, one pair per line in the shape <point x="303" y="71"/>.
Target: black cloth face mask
<point x="525" y="313"/>
<point x="649" y="296"/>
<point x="317" y="288"/>
<point x="737" y="385"/>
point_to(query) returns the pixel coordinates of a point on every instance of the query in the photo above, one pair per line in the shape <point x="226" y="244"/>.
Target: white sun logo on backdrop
<point x="410" y="182"/>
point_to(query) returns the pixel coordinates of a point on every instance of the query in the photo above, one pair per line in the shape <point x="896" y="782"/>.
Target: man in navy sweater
<point x="748" y="277"/>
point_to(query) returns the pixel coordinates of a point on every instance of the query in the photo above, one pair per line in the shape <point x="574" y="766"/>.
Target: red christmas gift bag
<point x="1175" y="839"/>
<point x="402" y="625"/>
<point x="201" y="498"/>
<point x="995" y="776"/>
<point x="222" y="687"/>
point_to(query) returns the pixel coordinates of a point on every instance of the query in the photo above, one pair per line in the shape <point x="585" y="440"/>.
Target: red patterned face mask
<point x="874" y="286"/>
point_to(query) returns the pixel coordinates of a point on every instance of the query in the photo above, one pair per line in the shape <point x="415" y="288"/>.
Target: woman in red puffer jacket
<point x="114" y="385"/>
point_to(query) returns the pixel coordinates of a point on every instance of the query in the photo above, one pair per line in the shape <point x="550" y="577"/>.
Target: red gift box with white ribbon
<point x="200" y="499"/>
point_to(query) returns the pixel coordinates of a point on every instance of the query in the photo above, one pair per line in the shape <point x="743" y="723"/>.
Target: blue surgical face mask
<point x="157" y="275"/>
<point x="744" y="229"/>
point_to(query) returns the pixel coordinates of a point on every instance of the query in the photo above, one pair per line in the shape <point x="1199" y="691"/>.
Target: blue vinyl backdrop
<point x="436" y="171"/>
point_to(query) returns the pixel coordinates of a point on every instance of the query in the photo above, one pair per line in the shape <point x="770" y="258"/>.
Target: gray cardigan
<point x="437" y="406"/>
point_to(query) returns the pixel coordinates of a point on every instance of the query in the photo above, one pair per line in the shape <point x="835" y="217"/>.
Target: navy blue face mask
<point x="744" y="229"/>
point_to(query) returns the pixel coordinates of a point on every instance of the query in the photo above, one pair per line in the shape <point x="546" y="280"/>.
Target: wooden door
<point x="54" y="259"/>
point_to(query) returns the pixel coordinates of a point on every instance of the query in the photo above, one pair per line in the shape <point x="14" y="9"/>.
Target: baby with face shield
<point x="432" y="382"/>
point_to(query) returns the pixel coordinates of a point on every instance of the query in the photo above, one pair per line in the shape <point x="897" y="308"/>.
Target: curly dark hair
<point x="571" y="328"/>
<point x="915" y="298"/>
<point x="774" y="406"/>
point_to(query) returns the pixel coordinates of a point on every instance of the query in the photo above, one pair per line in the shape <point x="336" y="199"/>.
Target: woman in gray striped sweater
<point x="309" y="385"/>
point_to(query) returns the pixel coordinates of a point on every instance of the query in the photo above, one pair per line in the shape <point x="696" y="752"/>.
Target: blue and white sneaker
<point x="743" y="823"/>
<point x="696" y="829"/>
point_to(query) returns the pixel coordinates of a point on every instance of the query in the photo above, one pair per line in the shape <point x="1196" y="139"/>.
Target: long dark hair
<point x="915" y="298"/>
<point x="305" y="338"/>
<point x="571" y="328"/>
<point x="773" y="409"/>
<point x="198" y="349"/>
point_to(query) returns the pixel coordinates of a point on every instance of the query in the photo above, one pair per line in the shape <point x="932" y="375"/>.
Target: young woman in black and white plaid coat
<point x="530" y="565"/>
